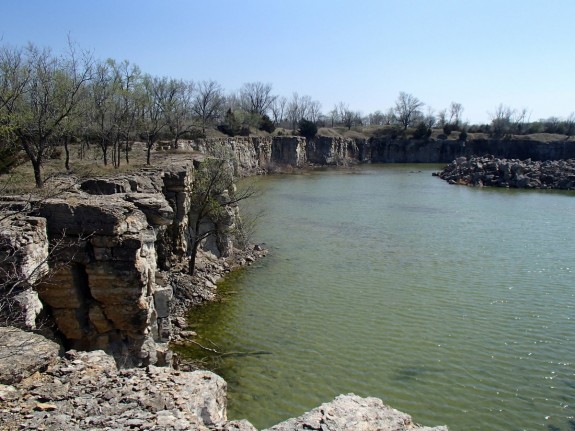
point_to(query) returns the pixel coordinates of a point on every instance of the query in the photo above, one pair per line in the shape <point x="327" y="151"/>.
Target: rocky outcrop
<point x="253" y="154"/>
<point x="23" y="261"/>
<point x="87" y="391"/>
<point x="23" y="354"/>
<point x="512" y="173"/>
<point x="262" y="154"/>
<point x="118" y="250"/>
<point x="353" y="413"/>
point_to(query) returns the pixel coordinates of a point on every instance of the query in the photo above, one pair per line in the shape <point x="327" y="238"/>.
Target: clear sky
<point x="480" y="53"/>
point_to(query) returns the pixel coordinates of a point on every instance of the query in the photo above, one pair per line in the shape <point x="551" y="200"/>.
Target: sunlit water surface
<point x="453" y="304"/>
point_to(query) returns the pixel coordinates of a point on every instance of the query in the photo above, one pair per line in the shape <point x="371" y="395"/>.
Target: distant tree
<point x="14" y="78"/>
<point x="314" y="110"/>
<point x="455" y="111"/>
<point x="256" y="97"/>
<point x="51" y="92"/>
<point x="334" y="116"/>
<point x="376" y="118"/>
<point x="422" y="131"/>
<point x="570" y="124"/>
<point x="266" y="124"/>
<point x="278" y="107"/>
<point x="407" y="108"/>
<point x="501" y="120"/>
<point x="307" y="128"/>
<point x="179" y="108"/>
<point x="102" y="110"/>
<point x="442" y="118"/>
<point x="207" y="102"/>
<point x="131" y="98"/>
<point x="154" y="118"/>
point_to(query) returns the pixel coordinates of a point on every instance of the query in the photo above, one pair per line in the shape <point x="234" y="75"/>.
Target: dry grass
<point x="21" y="179"/>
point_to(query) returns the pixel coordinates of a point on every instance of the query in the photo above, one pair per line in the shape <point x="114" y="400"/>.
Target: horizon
<point x="480" y="54"/>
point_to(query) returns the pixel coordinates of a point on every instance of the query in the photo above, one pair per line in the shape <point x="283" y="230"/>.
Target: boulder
<point x="23" y="354"/>
<point x="353" y="413"/>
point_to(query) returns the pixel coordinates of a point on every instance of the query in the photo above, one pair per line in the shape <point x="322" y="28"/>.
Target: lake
<point x="453" y="304"/>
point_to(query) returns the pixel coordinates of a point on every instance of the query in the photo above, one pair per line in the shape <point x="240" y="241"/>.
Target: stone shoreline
<point x="39" y="390"/>
<point x="510" y="173"/>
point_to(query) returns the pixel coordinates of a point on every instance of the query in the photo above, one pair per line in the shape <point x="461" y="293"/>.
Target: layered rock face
<point x="262" y="154"/>
<point x="107" y="243"/>
<point x="513" y="173"/>
<point x="23" y="261"/>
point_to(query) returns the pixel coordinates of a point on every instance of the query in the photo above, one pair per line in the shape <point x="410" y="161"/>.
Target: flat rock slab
<point x="353" y="413"/>
<point x="24" y="353"/>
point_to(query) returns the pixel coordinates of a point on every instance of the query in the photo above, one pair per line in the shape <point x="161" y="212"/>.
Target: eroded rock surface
<point x="24" y="353"/>
<point x="353" y="413"/>
<point x="85" y="391"/>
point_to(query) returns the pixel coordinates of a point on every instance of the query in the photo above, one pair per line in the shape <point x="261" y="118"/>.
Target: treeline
<point x="49" y="101"/>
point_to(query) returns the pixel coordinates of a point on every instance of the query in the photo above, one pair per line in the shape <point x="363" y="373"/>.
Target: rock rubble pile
<point x="512" y="173"/>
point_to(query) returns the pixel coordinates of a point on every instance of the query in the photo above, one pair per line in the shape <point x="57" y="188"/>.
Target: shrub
<point x="266" y="124"/>
<point x="230" y="125"/>
<point x="463" y="135"/>
<point x="307" y="129"/>
<point x="421" y="131"/>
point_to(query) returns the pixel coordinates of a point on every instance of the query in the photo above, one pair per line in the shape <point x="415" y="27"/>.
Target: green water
<point x="453" y="304"/>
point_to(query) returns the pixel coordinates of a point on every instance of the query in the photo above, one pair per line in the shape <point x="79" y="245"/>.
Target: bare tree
<point x="154" y="118"/>
<point x="278" y="108"/>
<point x="208" y="102"/>
<point x="256" y="97"/>
<point x="501" y="120"/>
<point x="570" y="124"/>
<point x="50" y="96"/>
<point x="213" y="196"/>
<point x="406" y="108"/>
<point x="13" y="80"/>
<point x="179" y="108"/>
<point x="376" y="118"/>
<point x="103" y="112"/>
<point x="455" y="111"/>
<point x="314" y="111"/>
<point x="131" y="97"/>
<point x="430" y="119"/>
<point x="334" y="116"/>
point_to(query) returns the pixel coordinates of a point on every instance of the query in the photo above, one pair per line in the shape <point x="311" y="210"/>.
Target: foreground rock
<point x="512" y="173"/>
<point x="353" y="413"/>
<point x="87" y="391"/>
<point x="24" y="353"/>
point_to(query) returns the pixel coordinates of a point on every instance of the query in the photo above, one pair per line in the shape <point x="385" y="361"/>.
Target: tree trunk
<point x="149" y="153"/>
<point x="193" y="255"/>
<point x="37" y="166"/>
<point x="67" y="151"/>
<point x="127" y="152"/>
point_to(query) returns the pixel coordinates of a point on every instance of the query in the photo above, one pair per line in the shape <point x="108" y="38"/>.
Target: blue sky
<point x="480" y="53"/>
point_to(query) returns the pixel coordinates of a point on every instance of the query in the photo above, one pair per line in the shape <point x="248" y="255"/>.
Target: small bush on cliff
<point x="422" y="131"/>
<point x="307" y="129"/>
<point x="266" y="124"/>
<point x="230" y="126"/>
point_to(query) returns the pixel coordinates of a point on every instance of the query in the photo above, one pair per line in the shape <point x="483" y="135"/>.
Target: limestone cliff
<point x="107" y="242"/>
<point x="257" y="154"/>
